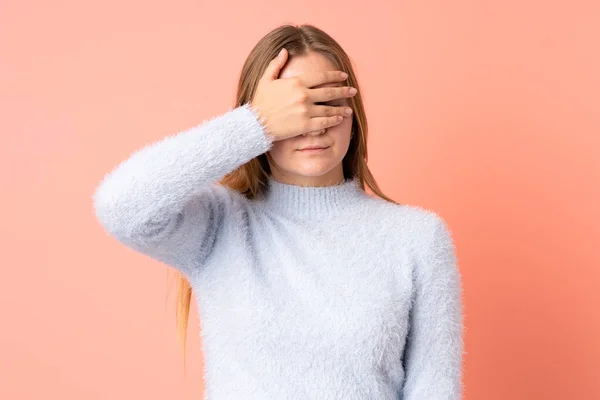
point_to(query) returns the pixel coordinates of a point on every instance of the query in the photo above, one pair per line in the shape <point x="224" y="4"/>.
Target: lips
<point x="313" y="148"/>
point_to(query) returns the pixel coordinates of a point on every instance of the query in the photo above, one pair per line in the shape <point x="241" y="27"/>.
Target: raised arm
<point x="434" y="348"/>
<point x="163" y="200"/>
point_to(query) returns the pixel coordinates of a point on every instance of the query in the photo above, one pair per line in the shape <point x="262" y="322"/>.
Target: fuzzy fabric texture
<point x="304" y="293"/>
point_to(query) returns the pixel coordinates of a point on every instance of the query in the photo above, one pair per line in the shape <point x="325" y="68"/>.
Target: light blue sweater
<point x="305" y="293"/>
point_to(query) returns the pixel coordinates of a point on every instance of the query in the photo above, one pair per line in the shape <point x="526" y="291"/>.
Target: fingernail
<point x="348" y="111"/>
<point x="353" y="91"/>
<point x="344" y="75"/>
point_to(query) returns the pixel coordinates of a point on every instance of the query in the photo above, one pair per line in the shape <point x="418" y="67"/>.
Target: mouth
<point x="313" y="149"/>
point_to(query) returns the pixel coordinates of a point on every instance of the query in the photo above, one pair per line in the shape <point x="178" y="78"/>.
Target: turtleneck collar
<point x="311" y="201"/>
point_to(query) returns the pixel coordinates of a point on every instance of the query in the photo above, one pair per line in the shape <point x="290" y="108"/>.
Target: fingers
<point x="330" y="111"/>
<point x="319" y="123"/>
<point x="312" y="79"/>
<point x="331" y="93"/>
<point x="274" y="67"/>
<point x="323" y="117"/>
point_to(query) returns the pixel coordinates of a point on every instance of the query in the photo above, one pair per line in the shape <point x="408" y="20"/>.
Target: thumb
<point x="272" y="71"/>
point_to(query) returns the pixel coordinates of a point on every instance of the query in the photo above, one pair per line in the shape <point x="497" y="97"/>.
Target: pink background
<point x="484" y="111"/>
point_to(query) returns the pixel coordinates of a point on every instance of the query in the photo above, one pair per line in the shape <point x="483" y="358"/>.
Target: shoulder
<point x="421" y="222"/>
<point x="228" y="196"/>
<point x="422" y="229"/>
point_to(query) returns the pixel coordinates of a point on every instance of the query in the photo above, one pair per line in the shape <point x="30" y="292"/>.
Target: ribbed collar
<point x="311" y="202"/>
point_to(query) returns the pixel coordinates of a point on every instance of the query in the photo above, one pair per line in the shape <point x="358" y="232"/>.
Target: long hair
<point x="250" y="179"/>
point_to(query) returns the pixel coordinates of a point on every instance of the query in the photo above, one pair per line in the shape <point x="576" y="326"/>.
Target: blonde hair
<point x="251" y="178"/>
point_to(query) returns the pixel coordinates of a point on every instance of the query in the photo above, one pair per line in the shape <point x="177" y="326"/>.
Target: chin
<point x="311" y="170"/>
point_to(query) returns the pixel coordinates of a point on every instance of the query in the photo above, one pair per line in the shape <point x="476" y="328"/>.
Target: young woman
<point x="307" y="286"/>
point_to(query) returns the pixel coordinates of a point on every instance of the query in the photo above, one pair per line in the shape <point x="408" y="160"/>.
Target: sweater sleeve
<point x="164" y="200"/>
<point x="434" y="348"/>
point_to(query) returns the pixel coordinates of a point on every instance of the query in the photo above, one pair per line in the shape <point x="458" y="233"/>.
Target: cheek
<point x="341" y="133"/>
<point x="281" y="150"/>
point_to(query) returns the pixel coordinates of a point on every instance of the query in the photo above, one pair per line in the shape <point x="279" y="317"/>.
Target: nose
<point x="314" y="133"/>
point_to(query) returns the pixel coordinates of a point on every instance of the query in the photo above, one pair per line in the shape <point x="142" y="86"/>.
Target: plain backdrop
<point x="485" y="111"/>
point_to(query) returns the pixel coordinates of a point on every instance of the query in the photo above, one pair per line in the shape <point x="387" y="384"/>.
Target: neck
<point x="312" y="202"/>
<point x="333" y="177"/>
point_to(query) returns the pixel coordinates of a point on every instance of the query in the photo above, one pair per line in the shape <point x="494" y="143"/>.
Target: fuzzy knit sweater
<point x="323" y="293"/>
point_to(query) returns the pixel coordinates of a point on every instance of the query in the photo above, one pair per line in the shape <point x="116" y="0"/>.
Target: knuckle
<point x="295" y="82"/>
<point x="302" y="97"/>
<point x="330" y="93"/>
